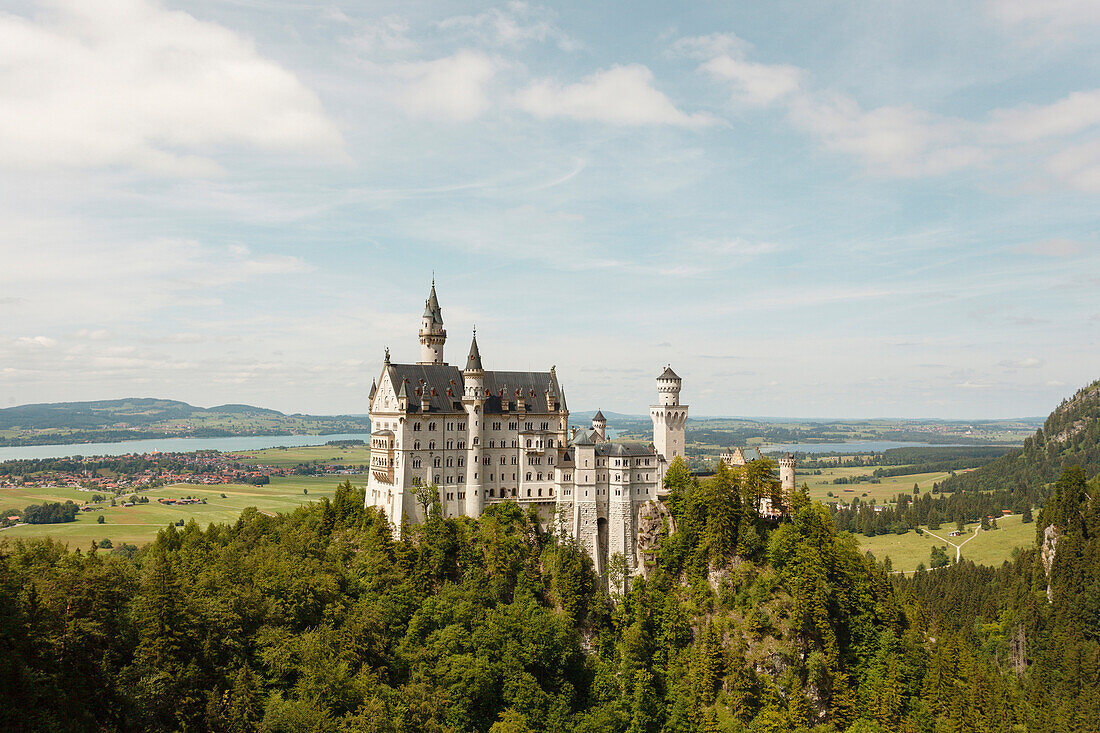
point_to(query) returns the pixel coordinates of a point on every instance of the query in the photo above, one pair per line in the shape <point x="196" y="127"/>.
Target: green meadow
<point x="820" y="485"/>
<point x="993" y="547"/>
<point x="325" y="455"/>
<point x="140" y="523"/>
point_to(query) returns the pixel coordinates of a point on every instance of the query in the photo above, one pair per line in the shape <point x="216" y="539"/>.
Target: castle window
<point x="462" y="479"/>
<point x="462" y="495"/>
<point x="514" y="460"/>
<point x="496" y="426"/>
<point x="450" y="444"/>
<point x="513" y="426"/>
<point x="416" y="427"/>
<point x="528" y="442"/>
<point x="462" y="426"/>
<point x="450" y="462"/>
<point x="550" y="443"/>
<point x="490" y="477"/>
<point x="491" y="493"/>
<point x="461" y="461"/>
<point x="485" y="461"/>
<point x="416" y="463"/>
<point x="450" y="479"/>
<point x="416" y="445"/>
<point x="540" y="479"/>
<point x="528" y="492"/>
<point x="492" y="444"/>
<point x="476" y="439"/>
<point x="515" y="444"/>
<point x="550" y="460"/>
<point x="616" y="492"/>
<point x="513" y="478"/>
<point x="431" y="445"/>
<point x="540" y="492"/>
<point x="503" y="460"/>
<point x="436" y="480"/>
<point x="450" y="496"/>
<point x="528" y="478"/>
<point x="431" y="427"/>
<point x="437" y="463"/>
<point x="450" y="426"/>
<point x="527" y="426"/>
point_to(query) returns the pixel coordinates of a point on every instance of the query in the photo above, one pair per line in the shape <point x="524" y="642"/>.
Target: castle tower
<point x="432" y="334"/>
<point x="599" y="425"/>
<point x="473" y="401"/>
<point x="669" y="416"/>
<point x="786" y="476"/>
<point x="585" y="505"/>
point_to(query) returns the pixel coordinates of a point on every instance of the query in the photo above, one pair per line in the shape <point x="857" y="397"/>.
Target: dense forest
<point x="320" y="620"/>
<point x="1069" y="437"/>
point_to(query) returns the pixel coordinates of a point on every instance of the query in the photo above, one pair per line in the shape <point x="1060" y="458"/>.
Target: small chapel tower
<point x="432" y="334"/>
<point x="669" y="416"/>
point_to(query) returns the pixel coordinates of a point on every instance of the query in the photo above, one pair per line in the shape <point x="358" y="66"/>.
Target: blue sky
<point x="809" y="209"/>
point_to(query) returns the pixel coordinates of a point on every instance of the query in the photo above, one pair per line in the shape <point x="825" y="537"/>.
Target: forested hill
<point x="1069" y="437"/>
<point x="140" y="417"/>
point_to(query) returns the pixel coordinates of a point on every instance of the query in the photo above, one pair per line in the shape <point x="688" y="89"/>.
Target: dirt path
<point x="958" y="547"/>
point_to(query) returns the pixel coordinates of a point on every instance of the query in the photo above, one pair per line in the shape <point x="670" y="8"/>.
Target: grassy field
<point x="821" y="485"/>
<point x="358" y="455"/>
<point x="140" y="523"/>
<point x="908" y="550"/>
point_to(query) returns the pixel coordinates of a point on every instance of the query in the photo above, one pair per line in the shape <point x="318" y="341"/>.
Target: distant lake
<point x="174" y="445"/>
<point x="855" y="446"/>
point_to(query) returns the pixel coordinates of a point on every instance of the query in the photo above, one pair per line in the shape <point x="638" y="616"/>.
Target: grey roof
<point x="431" y="307"/>
<point x="443" y="377"/>
<point x="624" y="449"/>
<point x="583" y="438"/>
<point x="382" y="432"/>
<point x="473" y="362"/>
<point x="599" y="416"/>
<point x="668" y="373"/>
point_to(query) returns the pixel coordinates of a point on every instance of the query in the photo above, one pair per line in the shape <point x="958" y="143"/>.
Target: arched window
<point x="437" y="463"/>
<point x="416" y="445"/>
<point x="528" y="478"/>
<point x="431" y="445"/>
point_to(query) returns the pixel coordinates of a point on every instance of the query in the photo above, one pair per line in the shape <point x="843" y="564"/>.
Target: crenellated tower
<point x="786" y="476"/>
<point x="432" y="333"/>
<point x="669" y="416"/>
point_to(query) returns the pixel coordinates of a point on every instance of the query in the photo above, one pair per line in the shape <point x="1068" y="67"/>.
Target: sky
<point x="827" y="209"/>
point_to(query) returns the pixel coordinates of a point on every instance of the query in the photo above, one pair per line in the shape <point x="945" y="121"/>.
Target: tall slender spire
<point x="473" y="363"/>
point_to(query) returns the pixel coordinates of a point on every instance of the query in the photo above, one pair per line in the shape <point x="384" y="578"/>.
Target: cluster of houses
<point x="178" y="502"/>
<point x="201" y="468"/>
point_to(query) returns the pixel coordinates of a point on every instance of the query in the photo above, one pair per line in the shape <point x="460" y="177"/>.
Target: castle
<point x="736" y="457"/>
<point x="484" y="436"/>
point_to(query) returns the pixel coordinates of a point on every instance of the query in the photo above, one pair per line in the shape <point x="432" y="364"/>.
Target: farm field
<point x="821" y="485"/>
<point x="994" y="547"/>
<point x="358" y="455"/>
<point x="140" y="523"/>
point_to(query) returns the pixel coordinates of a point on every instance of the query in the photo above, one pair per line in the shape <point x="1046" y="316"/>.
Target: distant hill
<point x="134" y="411"/>
<point x="1069" y="437"/>
<point x="135" y="418"/>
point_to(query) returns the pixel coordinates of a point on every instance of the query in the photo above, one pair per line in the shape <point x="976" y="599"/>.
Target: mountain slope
<point x="1069" y="437"/>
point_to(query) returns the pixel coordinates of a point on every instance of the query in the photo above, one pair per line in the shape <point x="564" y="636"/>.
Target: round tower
<point x="473" y="401"/>
<point x="599" y="425"/>
<point x="668" y="387"/>
<point x="786" y="475"/>
<point x="669" y="417"/>
<point x="432" y="334"/>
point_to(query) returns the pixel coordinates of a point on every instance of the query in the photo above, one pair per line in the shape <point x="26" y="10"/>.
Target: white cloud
<point x="755" y="84"/>
<point x="1052" y="248"/>
<point x="514" y="25"/>
<point x="1077" y="166"/>
<point x="709" y="46"/>
<point x="621" y="95"/>
<point x="735" y="247"/>
<point x="1047" y="18"/>
<point x="1029" y="363"/>
<point x="454" y="87"/>
<point x="900" y="141"/>
<point x="1027" y="123"/>
<point x="129" y="83"/>
<point x="44" y="342"/>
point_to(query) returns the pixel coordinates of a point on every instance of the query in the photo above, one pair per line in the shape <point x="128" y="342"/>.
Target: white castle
<point x="485" y="436"/>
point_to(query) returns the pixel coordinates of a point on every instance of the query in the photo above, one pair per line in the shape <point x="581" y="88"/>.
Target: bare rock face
<point x="651" y="518"/>
<point x="1046" y="552"/>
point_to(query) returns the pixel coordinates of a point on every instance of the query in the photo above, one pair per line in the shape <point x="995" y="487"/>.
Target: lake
<point x="855" y="446"/>
<point x="173" y="445"/>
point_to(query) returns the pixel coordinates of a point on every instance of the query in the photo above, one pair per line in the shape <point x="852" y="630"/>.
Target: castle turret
<point x="786" y="476"/>
<point x="432" y="334"/>
<point x="669" y="416"/>
<point x="599" y="425"/>
<point x="473" y="401"/>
